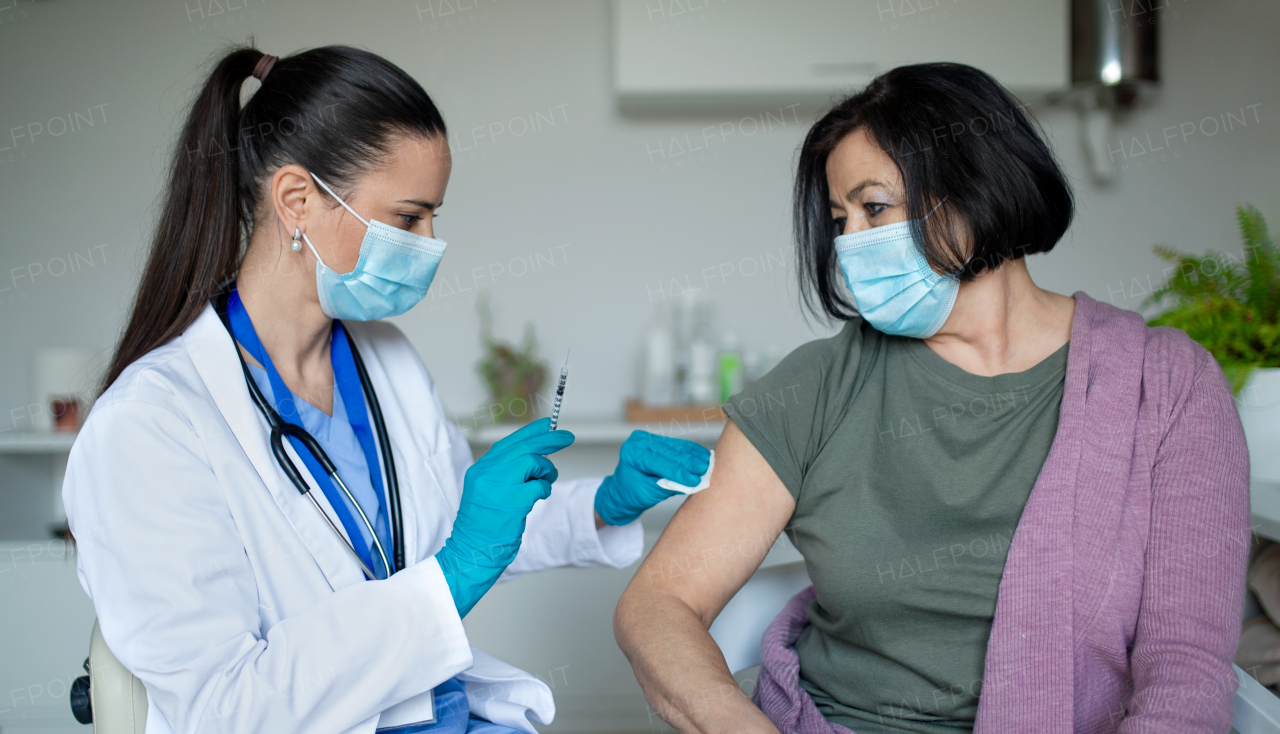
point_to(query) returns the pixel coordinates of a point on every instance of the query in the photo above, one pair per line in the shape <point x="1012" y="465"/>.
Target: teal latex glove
<point x="644" y="459"/>
<point x="498" y="491"/>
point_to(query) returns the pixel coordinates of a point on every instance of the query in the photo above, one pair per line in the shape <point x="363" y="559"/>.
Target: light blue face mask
<point x="893" y="286"/>
<point x="393" y="273"/>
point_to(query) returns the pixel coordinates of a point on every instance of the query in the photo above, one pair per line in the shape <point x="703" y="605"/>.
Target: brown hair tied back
<point x="263" y="67"/>
<point x="222" y="162"/>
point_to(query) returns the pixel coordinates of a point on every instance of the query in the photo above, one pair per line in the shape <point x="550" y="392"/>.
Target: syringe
<point x="555" y="408"/>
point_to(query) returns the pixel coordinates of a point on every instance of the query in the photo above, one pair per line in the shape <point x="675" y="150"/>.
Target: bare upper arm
<point x="719" y="536"/>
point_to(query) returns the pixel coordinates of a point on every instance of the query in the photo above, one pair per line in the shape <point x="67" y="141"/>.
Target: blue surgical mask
<point x="393" y="273"/>
<point x="893" y="286"/>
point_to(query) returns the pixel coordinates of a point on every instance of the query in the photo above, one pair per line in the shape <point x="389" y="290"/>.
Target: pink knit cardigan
<point x="1119" y="608"/>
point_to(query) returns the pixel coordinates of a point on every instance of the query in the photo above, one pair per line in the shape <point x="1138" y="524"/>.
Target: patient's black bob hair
<point x="958" y="137"/>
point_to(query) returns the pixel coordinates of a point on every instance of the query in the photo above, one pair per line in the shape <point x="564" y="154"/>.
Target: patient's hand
<point x="711" y="547"/>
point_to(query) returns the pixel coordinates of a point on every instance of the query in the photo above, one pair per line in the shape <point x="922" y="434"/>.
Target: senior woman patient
<point x="1021" y="511"/>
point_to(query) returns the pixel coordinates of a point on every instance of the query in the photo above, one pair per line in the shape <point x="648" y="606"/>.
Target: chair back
<point x="743" y="620"/>
<point x="1257" y="709"/>
<point x="740" y="626"/>
<point x="119" y="699"/>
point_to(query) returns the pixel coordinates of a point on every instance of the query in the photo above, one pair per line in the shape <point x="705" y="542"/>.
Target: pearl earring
<point x="296" y="243"/>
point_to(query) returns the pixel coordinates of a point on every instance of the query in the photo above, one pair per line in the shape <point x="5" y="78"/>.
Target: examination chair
<point x="109" y="697"/>
<point x="740" y="626"/>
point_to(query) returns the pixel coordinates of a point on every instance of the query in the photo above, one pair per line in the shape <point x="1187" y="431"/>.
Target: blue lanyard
<point x="347" y="380"/>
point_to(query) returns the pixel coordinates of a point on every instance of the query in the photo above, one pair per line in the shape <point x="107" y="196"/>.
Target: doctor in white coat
<point x="247" y="585"/>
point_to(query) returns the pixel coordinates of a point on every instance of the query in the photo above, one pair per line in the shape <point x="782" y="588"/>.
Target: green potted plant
<point x="1231" y="305"/>
<point x="513" y="374"/>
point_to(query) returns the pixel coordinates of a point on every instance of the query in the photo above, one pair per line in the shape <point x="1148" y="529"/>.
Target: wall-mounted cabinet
<point x="673" y="51"/>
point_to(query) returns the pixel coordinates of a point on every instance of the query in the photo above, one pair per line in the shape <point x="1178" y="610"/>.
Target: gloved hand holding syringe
<point x="650" y="469"/>
<point x="501" y="488"/>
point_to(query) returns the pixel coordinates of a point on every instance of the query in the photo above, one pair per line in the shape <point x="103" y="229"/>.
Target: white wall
<point x="590" y="194"/>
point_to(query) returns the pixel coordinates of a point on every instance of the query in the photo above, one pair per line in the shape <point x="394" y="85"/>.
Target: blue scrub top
<point x="336" y="437"/>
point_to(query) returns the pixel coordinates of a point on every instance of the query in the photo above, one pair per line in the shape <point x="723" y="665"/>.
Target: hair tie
<point x="263" y="67"/>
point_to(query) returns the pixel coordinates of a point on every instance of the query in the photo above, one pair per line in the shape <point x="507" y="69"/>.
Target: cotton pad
<point x="703" y="482"/>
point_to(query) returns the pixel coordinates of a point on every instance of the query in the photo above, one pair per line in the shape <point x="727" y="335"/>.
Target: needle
<point x="555" y="409"/>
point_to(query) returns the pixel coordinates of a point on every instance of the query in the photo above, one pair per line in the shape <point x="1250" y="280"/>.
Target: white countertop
<point x="587" y="431"/>
<point x="36" y="442"/>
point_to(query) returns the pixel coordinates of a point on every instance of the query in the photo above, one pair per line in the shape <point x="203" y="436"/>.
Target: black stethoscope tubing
<point x="388" y="461"/>
<point x="281" y="428"/>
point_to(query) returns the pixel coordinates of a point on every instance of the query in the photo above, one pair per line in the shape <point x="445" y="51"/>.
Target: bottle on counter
<point x="682" y="317"/>
<point x="658" y="383"/>
<point x="704" y="372"/>
<point x="733" y="376"/>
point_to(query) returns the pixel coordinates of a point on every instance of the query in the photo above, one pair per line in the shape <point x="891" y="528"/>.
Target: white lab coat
<point x="220" y="587"/>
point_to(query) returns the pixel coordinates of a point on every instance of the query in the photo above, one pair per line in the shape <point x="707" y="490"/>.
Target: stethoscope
<point x="281" y="428"/>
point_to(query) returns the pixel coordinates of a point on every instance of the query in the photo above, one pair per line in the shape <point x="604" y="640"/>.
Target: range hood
<point x="1114" y="67"/>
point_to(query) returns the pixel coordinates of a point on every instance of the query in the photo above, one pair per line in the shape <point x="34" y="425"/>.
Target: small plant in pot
<point x="513" y="374"/>
<point x="1231" y="305"/>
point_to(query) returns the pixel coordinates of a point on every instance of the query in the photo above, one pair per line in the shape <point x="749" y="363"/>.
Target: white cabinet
<point x="810" y="50"/>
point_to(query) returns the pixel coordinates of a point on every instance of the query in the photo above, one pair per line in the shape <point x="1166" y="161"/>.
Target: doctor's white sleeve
<point x="164" y="558"/>
<point x="561" y="530"/>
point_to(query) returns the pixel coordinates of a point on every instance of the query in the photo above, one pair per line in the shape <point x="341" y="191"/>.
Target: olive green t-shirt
<point x="909" y="476"/>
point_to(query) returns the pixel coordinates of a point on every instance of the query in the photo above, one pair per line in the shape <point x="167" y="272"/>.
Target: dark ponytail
<point x="333" y="110"/>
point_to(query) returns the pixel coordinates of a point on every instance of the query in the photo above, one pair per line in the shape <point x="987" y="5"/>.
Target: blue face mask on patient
<point x="893" y="286"/>
<point x="393" y="273"/>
